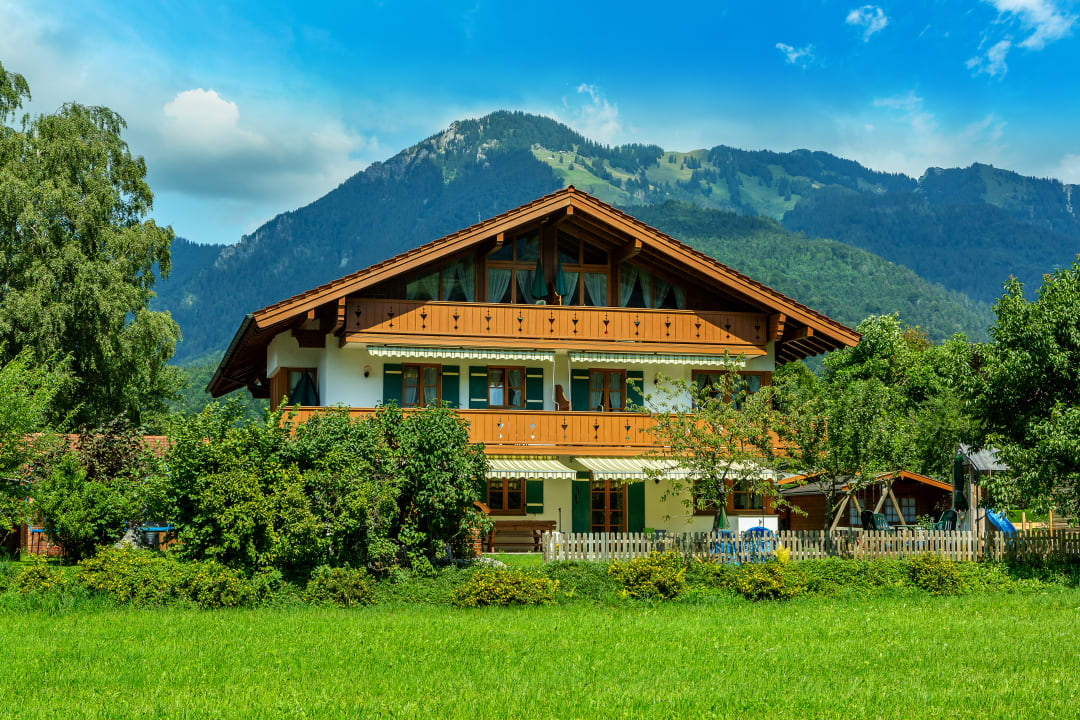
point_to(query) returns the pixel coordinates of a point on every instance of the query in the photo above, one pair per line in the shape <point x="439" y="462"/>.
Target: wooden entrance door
<point x="607" y="506"/>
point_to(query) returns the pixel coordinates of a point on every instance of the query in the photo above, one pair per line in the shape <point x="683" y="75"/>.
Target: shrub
<point x="656" y="576"/>
<point x="489" y="586"/>
<point x="126" y="575"/>
<point x="935" y="574"/>
<point x="212" y="585"/>
<point x="710" y="575"/>
<point x="835" y="576"/>
<point x="39" y="577"/>
<point x="146" y="577"/>
<point x="768" y="581"/>
<point x="342" y="586"/>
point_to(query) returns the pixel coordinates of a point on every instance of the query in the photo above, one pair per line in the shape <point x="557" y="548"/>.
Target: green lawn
<point x="991" y="656"/>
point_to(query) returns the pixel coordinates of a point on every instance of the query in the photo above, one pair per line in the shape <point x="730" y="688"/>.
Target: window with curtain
<point x="712" y="381"/>
<point x="506" y="387"/>
<point x="907" y="506"/>
<point x="511" y="270"/>
<point x="585" y="271"/>
<point x="420" y="385"/>
<point x="607" y="390"/>
<point x="303" y="388"/>
<point x="640" y="288"/>
<point x="423" y="287"/>
<point x="458" y="281"/>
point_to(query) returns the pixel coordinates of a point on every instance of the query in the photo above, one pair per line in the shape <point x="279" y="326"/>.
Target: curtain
<point x="525" y="281"/>
<point x="596" y="288"/>
<point x="514" y="383"/>
<point x="462" y="275"/>
<point x="628" y="275"/>
<point x="680" y="298"/>
<point x="498" y="283"/>
<point x="411" y="381"/>
<point x="571" y="280"/>
<point x="663" y="287"/>
<point x="646" y="288"/>
<point x="431" y="390"/>
<point x="449" y="281"/>
<point x="304" y="392"/>
<point x="425" y="287"/>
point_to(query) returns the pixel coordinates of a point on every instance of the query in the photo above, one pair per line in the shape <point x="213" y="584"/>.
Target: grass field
<point x="992" y="656"/>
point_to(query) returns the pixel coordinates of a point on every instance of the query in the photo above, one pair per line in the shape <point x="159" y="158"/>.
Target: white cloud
<point x="597" y="119"/>
<point x="870" y="18"/>
<point x="1042" y="18"/>
<point x="796" y="56"/>
<point x="992" y="62"/>
<point x="1068" y="171"/>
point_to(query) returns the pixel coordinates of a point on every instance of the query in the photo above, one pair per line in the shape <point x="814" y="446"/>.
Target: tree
<point x="92" y="493"/>
<point x="1025" y="389"/>
<point x="722" y="436"/>
<point x="26" y="396"/>
<point x="77" y="258"/>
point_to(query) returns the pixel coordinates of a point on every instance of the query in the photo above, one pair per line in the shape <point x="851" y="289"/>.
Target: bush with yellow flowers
<point x="656" y="576"/>
<point x="502" y="586"/>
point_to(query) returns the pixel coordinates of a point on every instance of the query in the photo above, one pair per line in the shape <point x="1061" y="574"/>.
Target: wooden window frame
<point x="501" y="508"/>
<point x="420" y="383"/>
<point x="607" y="389"/>
<point x="513" y="266"/>
<point x="581" y="267"/>
<point x="735" y="491"/>
<point x="670" y="279"/>
<point x="506" y="387"/>
<point x="606" y="527"/>
<point x="283" y="388"/>
<point x="765" y="375"/>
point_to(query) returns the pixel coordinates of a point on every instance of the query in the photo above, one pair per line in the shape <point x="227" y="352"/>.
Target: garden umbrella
<point x="560" y="279"/>
<point x="539" y="286"/>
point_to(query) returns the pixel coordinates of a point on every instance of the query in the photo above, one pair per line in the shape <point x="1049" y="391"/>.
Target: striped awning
<point x="401" y="351"/>
<point x="526" y="467"/>
<point x="701" y="361"/>
<point x="606" y="468"/>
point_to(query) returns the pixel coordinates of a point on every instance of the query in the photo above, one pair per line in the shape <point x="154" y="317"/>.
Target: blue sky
<point x="250" y="109"/>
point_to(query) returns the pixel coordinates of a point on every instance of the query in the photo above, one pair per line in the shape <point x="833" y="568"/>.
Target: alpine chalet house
<point x="543" y="325"/>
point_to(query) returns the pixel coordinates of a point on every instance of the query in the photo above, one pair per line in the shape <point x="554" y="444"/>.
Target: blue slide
<point x="1000" y="523"/>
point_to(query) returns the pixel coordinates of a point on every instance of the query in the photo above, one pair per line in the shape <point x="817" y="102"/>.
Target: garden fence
<point x="959" y="545"/>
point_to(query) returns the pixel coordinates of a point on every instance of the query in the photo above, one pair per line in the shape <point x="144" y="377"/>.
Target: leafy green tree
<point x="27" y="390"/>
<point x="91" y="494"/>
<point x="1026" y="393"/>
<point x="77" y="258"/>
<point x="722" y="435"/>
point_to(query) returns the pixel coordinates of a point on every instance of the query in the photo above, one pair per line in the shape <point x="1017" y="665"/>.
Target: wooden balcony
<point x="550" y="432"/>
<point x="525" y="432"/>
<point x="555" y="327"/>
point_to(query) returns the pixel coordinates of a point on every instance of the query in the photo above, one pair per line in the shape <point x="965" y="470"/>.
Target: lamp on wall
<point x="367" y="370"/>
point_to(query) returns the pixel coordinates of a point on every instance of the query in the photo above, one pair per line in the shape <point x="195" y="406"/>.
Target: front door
<point x="607" y="506"/>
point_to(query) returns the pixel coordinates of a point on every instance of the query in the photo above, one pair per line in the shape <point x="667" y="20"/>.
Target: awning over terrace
<point x="609" y="468"/>
<point x="400" y="351"/>
<point x="526" y="467"/>
<point x="700" y="361"/>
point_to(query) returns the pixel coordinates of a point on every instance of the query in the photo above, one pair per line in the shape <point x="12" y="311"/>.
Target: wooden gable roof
<point x="802" y="331"/>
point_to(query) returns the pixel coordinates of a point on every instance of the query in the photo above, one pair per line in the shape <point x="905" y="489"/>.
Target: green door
<point x="635" y="507"/>
<point x="580" y="504"/>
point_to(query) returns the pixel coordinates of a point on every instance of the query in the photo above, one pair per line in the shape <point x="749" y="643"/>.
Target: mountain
<point x="935" y="248"/>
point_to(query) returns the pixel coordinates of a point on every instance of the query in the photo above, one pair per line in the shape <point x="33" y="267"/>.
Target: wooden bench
<point x="533" y="529"/>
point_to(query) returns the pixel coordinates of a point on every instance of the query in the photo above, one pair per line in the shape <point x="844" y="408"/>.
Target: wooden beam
<point x="339" y="317"/>
<point x="792" y="334"/>
<point x="839" y="512"/>
<point x="627" y="252"/>
<point x="776" y="326"/>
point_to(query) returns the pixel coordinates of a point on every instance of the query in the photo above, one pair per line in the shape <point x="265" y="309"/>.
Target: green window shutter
<point x="534" y="388"/>
<point x="478" y="387"/>
<point x="391" y="384"/>
<point x="534" y="496"/>
<point x="451" y="385"/>
<point x="579" y="513"/>
<point x="579" y="392"/>
<point x="635" y="388"/>
<point x="635" y="507"/>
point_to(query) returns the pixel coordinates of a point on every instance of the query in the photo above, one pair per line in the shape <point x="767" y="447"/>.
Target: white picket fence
<point x="959" y="545"/>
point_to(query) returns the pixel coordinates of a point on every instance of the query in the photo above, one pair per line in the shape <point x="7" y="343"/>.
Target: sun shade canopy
<point x="529" y="468"/>
<point x="630" y="468"/>
<point x="702" y="361"/>
<point x="396" y="351"/>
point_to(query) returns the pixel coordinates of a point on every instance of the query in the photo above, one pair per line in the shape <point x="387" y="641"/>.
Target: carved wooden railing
<point x="555" y="325"/>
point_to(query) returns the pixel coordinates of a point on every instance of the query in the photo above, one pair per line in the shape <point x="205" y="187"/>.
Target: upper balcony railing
<point x="555" y="326"/>
<point x="527" y="432"/>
